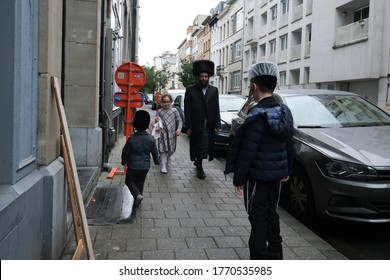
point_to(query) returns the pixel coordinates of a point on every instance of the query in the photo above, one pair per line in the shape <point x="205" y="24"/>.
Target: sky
<point x="163" y="25"/>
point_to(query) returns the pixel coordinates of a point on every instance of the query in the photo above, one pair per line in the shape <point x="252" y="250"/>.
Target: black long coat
<point x="197" y="108"/>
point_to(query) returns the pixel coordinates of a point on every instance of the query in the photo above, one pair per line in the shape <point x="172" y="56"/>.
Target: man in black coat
<point x="202" y="116"/>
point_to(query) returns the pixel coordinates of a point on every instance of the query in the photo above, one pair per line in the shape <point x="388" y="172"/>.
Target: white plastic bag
<point x="157" y="129"/>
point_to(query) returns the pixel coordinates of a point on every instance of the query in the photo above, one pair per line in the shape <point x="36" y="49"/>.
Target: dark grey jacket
<point x="263" y="147"/>
<point x="137" y="150"/>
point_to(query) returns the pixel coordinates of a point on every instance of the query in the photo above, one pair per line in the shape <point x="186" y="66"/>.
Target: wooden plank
<point x="69" y="149"/>
<point x="79" y="250"/>
<point x="70" y="189"/>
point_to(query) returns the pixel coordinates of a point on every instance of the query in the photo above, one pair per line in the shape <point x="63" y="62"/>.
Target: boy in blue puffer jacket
<point x="261" y="157"/>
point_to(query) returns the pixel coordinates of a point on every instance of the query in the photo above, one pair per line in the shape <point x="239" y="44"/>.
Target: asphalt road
<point x="356" y="241"/>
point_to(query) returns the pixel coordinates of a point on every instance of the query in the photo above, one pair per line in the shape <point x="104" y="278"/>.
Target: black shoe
<point x="200" y="174"/>
<point x="138" y="200"/>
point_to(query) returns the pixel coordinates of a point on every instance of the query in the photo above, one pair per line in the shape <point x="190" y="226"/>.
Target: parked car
<point x="148" y="98"/>
<point x="178" y="103"/>
<point x="342" y="164"/>
<point x="229" y="105"/>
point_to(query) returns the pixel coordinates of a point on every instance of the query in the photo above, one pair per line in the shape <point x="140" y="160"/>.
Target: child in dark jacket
<point x="261" y="157"/>
<point x="136" y="154"/>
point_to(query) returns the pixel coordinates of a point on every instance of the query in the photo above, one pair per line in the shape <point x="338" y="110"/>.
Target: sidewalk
<point x="182" y="217"/>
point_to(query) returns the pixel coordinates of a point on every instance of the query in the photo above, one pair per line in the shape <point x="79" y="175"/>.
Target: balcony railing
<point x="295" y="52"/>
<point x="220" y="69"/>
<point x="352" y="33"/>
<point x="251" y="5"/>
<point x="283" y="19"/>
<point x="282" y="56"/>
<point x="250" y="38"/>
<point x="309" y="7"/>
<point x="271" y="57"/>
<point x="297" y="13"/>
<point x="272" y="26"/>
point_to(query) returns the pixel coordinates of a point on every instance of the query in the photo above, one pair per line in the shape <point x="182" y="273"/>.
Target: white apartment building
<point x="327" y="44"/>
<point x="231" y="31"/>
<point x="167" y="61"/>
<point x="215" y="42"/>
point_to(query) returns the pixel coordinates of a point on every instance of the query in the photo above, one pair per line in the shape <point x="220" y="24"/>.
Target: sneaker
<point x="138" y="200"/>
<point x="164" y="170"/>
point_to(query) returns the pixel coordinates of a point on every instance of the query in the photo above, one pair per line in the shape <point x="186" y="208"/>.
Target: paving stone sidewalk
<point x="184" y="218"/>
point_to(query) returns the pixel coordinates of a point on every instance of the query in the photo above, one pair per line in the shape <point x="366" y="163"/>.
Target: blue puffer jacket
<point x="263" y="147"/>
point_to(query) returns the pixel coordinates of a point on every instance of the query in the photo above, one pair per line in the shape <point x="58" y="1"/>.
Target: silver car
<point x="342" y="164"/>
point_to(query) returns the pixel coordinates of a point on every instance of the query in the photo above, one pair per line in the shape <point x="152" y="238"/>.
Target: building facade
<point x="80" y="44"/>
<point x="337" y="44"/>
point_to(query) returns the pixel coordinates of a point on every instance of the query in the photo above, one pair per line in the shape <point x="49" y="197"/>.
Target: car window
<point x="177" y="101"/>
<point x="334" y="110"/>
<point x="231" y="104"/>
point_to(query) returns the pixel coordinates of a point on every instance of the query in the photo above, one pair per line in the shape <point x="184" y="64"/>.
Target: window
<point x="272" y="47"/>
<point x="284" y="5"/>
<point x="283" y="42"/>
<point x="282" y="79"/>
<point x="238" y="21"/>
<point x="236" y="50"/>
<point x="274" y="13"/>
<point x="360" y="14"/>
<point x="247" y="59"/>
<point x="236" y="80"/>
<point x="254" y="55"/>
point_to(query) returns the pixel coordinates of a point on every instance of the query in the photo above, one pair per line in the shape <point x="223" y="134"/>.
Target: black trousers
<point x="199" y="144"/>
<point x="135" y="180"/>
<point x="261" y="199"/>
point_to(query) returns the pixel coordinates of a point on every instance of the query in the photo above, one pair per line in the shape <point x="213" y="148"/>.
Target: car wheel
<point x="299" y="196"/>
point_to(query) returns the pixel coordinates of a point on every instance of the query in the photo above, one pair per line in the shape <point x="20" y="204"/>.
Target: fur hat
<point x="141" y="120"/>
<point x="200" y="66"/>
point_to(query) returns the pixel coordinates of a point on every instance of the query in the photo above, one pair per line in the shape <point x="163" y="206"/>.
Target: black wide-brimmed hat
<point x="203" y="66"/>
<point x="141" y="120"/>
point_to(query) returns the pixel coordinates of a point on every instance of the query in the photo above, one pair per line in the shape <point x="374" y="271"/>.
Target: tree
<point x="185" y="76"/>
<point x="150" y="83"/>
<point x="156" y="80"/>
<point x="162" y="77"/>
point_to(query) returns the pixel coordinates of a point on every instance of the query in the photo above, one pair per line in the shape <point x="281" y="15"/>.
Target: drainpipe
<point x="134" y="31"/>
<point x="103" y="121"/>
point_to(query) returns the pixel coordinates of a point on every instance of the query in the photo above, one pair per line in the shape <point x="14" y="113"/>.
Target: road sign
<point x="131" y="75"/>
